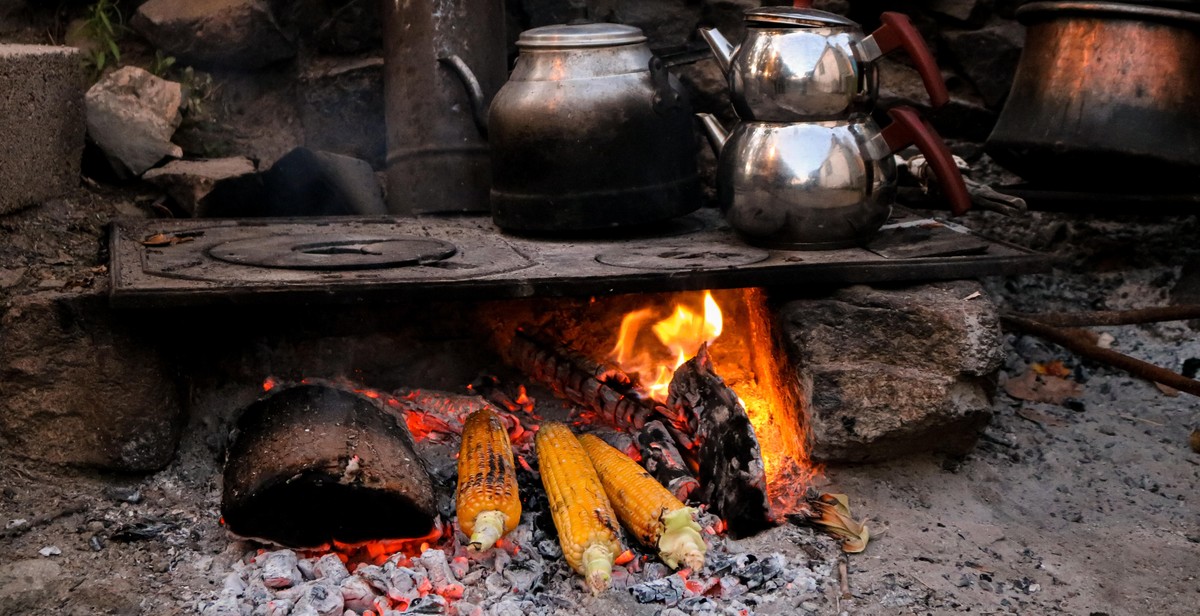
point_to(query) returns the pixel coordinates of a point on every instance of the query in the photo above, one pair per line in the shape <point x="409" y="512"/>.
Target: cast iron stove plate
<point x="351" y="259"/>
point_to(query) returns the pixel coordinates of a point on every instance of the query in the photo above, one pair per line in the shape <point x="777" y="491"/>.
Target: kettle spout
<point x="721" y="47"/>
<point x="717" y="135"/>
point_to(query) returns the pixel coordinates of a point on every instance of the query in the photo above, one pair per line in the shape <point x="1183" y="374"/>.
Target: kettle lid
<point x="797" y="17"/>
<point x="566" y="36"/>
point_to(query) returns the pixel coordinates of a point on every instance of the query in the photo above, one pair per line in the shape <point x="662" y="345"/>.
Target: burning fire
<point x="679" y="336"/>
<point x="654" y="346"/>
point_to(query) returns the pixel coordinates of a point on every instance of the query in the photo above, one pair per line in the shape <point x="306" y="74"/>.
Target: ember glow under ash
<point x="654" y="340"/>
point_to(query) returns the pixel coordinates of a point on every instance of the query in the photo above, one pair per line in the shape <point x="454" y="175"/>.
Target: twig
<point x="45" y="518"/>
<point x="1182" y="312"/>
<point x="844" y="577"/>
<point x="1132" y="418"/>
<point x="1077" y="343"/>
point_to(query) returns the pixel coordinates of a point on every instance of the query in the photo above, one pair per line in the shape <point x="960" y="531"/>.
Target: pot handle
<point x="907" y="128"/>
<point x="897" y="31"/>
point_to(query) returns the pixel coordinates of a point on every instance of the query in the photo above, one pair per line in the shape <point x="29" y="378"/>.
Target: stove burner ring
<point x="316" y="251"/>
<point x="685" y="256"/>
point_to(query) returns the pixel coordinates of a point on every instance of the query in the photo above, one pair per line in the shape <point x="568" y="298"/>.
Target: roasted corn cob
<point x="587" y="527"/>
<point x="487" y="500"/>
<point x="646" y="509"/>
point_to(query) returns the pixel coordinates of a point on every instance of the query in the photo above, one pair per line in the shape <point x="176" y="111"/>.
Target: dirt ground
<point x="1089" y="508"/>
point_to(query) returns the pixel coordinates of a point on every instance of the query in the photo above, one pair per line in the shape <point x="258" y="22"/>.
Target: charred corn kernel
<point x="646" y="509"/>
<point x="587" y="527"/>
<point x="488" y="502"/>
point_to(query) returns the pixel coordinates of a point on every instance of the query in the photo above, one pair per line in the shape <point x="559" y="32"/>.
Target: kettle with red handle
<point x="821" y="185"/>
<point x="799" y="64"/>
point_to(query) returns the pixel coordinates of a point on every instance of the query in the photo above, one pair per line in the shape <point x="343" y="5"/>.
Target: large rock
<point x="895" y="371"/>
<point x="988" y="57"/>
<point x="198" y="186"/>
<point x="343" y="108"/>
<point x="235" y="33"/>
<point x="131" y="116"/>
<point x="41" y="123"/>
<point x="83" y="386"/>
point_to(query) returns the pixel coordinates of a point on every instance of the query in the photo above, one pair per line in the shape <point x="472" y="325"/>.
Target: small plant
<point x="198" y="87"/>
<point x="161" y="64"/>
<point x="103" y="26"/>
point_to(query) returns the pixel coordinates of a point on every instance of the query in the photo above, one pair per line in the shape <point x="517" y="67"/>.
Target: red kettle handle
<point x="897" y="31"/>
<point x="907" y="128"/>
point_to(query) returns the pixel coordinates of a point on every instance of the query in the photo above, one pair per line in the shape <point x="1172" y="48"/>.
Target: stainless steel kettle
<point x="590" y="132"/>
<point x="821" y="185"/>
<point x="800" y="64"/>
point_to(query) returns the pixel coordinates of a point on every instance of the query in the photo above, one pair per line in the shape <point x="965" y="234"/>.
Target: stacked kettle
<point x="807" y="167"/>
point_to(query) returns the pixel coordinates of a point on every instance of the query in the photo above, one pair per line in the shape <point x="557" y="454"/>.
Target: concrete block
<point x="42" y="123"/>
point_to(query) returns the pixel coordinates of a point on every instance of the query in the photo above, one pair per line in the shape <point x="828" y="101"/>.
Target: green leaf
<point x="100" y="58"/>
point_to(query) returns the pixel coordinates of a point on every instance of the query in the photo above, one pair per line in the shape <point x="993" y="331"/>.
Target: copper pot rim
<point x="1039" y="11"/>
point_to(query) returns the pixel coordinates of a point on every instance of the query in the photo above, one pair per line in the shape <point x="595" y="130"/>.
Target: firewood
<point x="663" y="461"/>
<point x="605" y="390"/>
<point x="732" y="477"/>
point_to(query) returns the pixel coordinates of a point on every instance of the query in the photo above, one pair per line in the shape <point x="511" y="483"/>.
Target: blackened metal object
<point x="1105" y="95"/>
<point x="312" y="464"/>
<point x="437" y="158"/>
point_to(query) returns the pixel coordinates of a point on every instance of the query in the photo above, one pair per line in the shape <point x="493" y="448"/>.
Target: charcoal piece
<point x="668" y="591"/>
<point x="663" y="461"/>
<point x="523" y="577"/>
<point x="143" y="530"/>
<point x="429" y="604"/>
<point x="280" y="569"/>
<point x="331" y="569"/>
<point x="311" y="464"/>
<point x="732" y="478"/>
<point x="357" y="594"/>
<point x="761" y="571"/>
<point x="322" y="598"/>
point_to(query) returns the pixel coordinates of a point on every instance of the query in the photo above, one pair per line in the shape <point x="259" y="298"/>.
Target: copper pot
<point x="1105" y="94"/>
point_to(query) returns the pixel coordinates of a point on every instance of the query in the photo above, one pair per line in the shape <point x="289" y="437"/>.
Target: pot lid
<point x="566" y="36"/>
<point x="795" y="17"/>
<point x="1171" y="11"/>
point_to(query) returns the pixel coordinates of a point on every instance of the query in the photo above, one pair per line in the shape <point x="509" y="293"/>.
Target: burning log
<point x="663" y="461"/>
<point x="732" y="478"/>
<point x="607" y="391"/>
<point x="310" y="465"/>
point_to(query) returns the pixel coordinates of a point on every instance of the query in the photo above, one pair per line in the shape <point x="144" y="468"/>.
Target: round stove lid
<point x="316" y="251"/>
<point x="567" y="36"/>
<point x="786" y="16"/>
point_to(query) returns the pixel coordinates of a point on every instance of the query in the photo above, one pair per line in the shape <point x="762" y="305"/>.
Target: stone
<point x="312" y="183"/>
<point x="131" y="116"/>
<point x="42" y="123"/>
<point x="84" y="386"/>
<point x="201" y="186"/>
<point x="235" y="33"/>
<point x="897" y="371"/>
<point x="666" y="23"/>
<point x="28" y="586"/>
<point x="988" y="57"/>
<point x="965" y="116"/>
<point x="970" y="12"/>
<point x="343" y="108"/>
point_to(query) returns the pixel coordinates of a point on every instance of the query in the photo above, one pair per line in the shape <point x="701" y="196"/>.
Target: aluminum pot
<point x="801" y="64"/>
<point x="821" y="185"/>
<point x="590" y="132"/>
<point x="1105" y="95"/>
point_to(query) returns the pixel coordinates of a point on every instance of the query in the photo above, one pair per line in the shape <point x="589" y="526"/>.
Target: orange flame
<point x="678" y="337"/>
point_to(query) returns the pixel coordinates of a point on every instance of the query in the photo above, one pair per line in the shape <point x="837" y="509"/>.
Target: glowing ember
<point x="678" y="337"/>
<point x="378" y="551"/>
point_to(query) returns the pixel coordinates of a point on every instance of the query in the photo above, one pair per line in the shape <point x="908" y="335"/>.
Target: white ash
<point x="528" y="576"/>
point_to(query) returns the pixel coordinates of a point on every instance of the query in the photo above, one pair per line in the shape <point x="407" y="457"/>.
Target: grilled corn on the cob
<point x="487" y="500"/>
<point x="648" y="511"/>
<point x="587" y="527"/>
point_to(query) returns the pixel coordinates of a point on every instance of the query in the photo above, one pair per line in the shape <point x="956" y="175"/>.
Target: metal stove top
<point x="353" y="259"/>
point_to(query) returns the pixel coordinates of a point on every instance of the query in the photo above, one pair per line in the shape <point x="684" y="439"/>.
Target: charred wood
<point x="732" y="477"/>
<point x="605" y="390"/>
<point x="313" y="464"/>
<point x="663" y="461"/>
